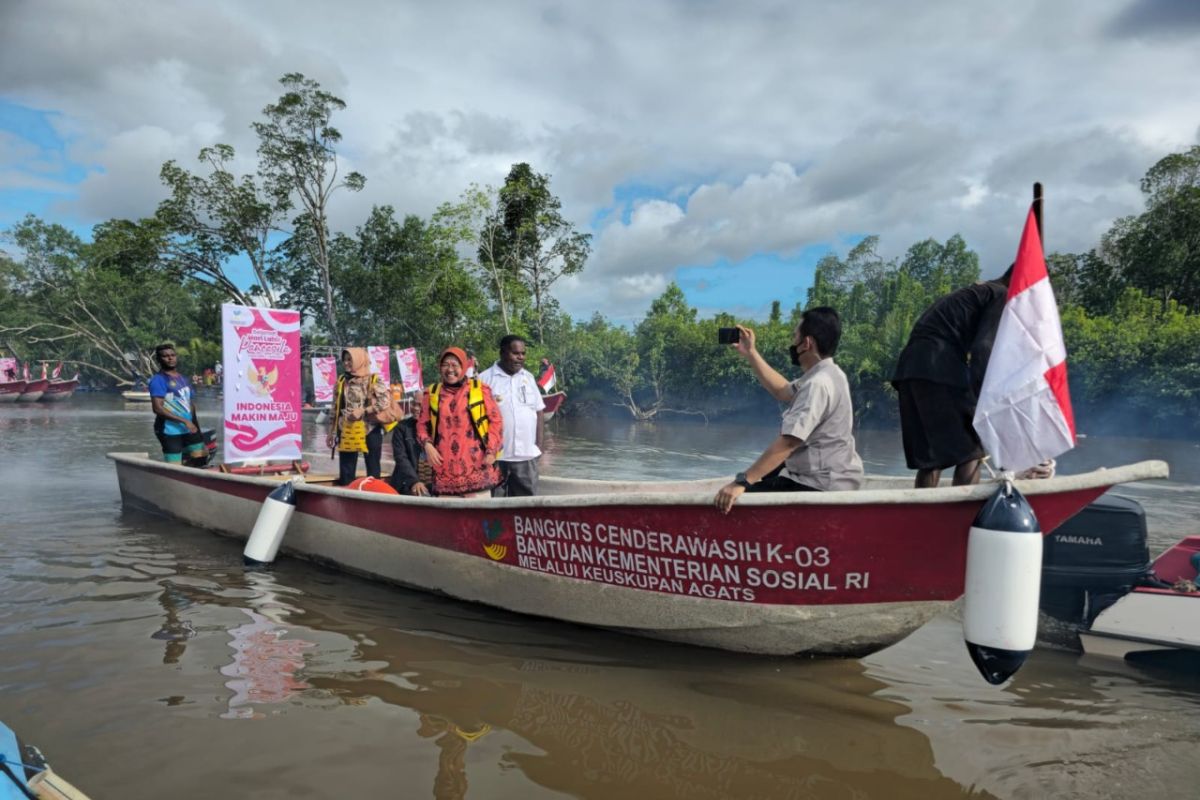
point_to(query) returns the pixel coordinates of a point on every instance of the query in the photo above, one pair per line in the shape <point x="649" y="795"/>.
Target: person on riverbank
<point x="815" y="449"/>
<point x="521" y="405"/>
<point x="176" y="425"/>
<point x="938" y="377"/>
<point x="358" y="400"/>
<point x="460" y="430"/>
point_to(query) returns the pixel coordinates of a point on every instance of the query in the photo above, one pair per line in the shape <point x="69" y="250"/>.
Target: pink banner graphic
<point x="9" y="370"/>
<point x="380" y="356"/>
<point x="262" y="383"/>
<point x="410" y="370"/>
<point x="324" y="372"/>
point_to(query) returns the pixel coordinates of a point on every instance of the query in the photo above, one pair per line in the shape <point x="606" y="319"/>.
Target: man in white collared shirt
<point x="516" y="392"/>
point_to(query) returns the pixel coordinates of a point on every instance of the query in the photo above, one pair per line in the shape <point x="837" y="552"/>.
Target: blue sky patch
<point x="35" y="170"/>
<point x="749" y="286"/>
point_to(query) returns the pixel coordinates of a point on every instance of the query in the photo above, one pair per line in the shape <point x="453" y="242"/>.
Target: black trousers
<point x="348" y="462"/>
<point x="774" y="482"/>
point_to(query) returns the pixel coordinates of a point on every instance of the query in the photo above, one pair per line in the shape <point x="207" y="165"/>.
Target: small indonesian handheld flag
<point x="57" y="371"/>
<point x="470" y="366"/>
<point x="1024" y="416"/>
<point x="25" y="369"/>
<point x="545" y="381"/>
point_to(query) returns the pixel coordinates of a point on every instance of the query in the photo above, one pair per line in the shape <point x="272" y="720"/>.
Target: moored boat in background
<point x="10" y="391"/>
<point x="553" y="401"/>
<point x="655" y="559"/>
<point x="33" y="390"/>
<point x="57" y="391"/>
<point x="136" y="396"/>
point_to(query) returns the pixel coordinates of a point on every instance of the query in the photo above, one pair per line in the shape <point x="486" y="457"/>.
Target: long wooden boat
<point x="33" y="390"/>
<point x="10" y="391"/>
<point x="58" y="391"/>
<point x="839" y="573"/>
<point x="553" y="401"/>
<point x="136" y="396"/>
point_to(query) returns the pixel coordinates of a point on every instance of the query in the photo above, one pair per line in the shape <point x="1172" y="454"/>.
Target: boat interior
<point x="319" y="469"/>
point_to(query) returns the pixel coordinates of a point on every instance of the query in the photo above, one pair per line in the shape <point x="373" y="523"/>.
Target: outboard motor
<point x="209" y="437"/>
<point x="1094" y="558"/>
<point x="210" y="442"/>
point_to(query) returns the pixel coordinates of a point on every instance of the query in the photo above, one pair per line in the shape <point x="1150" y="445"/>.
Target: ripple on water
<point x="128" y="639"/>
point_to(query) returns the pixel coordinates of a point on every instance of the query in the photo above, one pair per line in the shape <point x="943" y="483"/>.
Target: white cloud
<point x="766" y="126"/>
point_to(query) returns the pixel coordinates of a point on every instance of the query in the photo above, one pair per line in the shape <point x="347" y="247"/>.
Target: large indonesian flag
<point x="1024" y="416"/>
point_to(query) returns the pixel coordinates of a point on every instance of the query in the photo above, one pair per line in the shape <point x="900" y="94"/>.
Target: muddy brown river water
<point x="145" y="662"/>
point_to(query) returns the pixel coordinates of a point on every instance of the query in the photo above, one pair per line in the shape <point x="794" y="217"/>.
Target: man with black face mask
<point x="814" y="451"/>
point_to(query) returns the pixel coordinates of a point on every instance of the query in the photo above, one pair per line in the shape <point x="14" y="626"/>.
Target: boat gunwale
<point x="1138" y="471"/>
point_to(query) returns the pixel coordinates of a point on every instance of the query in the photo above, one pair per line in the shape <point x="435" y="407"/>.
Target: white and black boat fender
<point x="271" y="525"/>
<point x="1004" y="571"/>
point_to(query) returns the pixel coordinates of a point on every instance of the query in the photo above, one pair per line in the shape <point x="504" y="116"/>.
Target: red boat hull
<point x="58" y="391"/>
<point x="836" y="573"/>
<point x="10" y="391"/>
<point x="33" y="390"/>
<point x="553" y="401"/>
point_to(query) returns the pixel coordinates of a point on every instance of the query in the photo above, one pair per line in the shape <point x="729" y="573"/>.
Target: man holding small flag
<point x="1023" y="416"/>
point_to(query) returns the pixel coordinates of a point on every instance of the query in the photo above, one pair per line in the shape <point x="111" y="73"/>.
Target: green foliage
<point x="102" y="306"/>
<point x="530" y="244"/>
<point x="212" y="219"/>
<point x="298" y="164"/>
<point x="487" y="264"/>
<point x="879" y="301"/>
<point x="1158" y="251"/>
<point x="1148" y="351"/>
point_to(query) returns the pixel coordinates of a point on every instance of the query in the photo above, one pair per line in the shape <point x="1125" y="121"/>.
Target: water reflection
<point x="597" y="715"/>
<point x="264" y="664"/>
<point x="132" y="640"/>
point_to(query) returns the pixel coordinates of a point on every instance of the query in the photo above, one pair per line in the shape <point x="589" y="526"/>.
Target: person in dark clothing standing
<point x="407" y="453"/>
<point x="938" y="377"/>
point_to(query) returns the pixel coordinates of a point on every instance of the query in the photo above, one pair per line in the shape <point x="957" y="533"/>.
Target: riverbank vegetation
<point x="487" y="263"/>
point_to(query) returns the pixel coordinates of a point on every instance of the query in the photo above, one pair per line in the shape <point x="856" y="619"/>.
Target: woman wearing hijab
<point x="358" y="401"/>
<point x="460" y="430"/>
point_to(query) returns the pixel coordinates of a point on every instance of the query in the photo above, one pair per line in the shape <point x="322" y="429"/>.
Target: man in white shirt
<point x="814" y="451"/>
<point x="516" y="392"/>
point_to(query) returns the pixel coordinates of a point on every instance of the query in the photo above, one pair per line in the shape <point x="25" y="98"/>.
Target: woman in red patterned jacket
<point x="461" y="430"/>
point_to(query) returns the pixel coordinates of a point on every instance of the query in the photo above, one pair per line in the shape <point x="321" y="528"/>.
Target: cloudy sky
<point x="726" y="146"/>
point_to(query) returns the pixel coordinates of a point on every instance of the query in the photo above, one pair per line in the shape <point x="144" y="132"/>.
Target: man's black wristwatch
<point x="740" y="480"/>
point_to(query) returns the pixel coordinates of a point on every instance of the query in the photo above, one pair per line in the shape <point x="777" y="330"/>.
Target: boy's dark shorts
<point x="936" y="424"/>
<point x="174" y="446"/>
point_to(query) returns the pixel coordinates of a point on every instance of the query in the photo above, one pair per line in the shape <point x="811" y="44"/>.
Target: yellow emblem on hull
<point x="496" y="552"/>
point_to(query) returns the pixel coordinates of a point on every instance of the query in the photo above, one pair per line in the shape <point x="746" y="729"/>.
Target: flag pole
<point x="1037" y="210"/>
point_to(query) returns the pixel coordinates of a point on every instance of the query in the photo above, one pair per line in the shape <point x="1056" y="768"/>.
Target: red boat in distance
<point x="33" y="390"/>
<point x="58" y="391"/>
<point x="10" y="391"/>
<point x="553" y="401"/>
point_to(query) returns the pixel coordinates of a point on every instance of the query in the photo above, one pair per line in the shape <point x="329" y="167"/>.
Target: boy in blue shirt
<point x="175" y="422"/>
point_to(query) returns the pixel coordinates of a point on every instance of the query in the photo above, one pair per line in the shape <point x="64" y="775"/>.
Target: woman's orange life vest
<point x="475" y="408"/>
